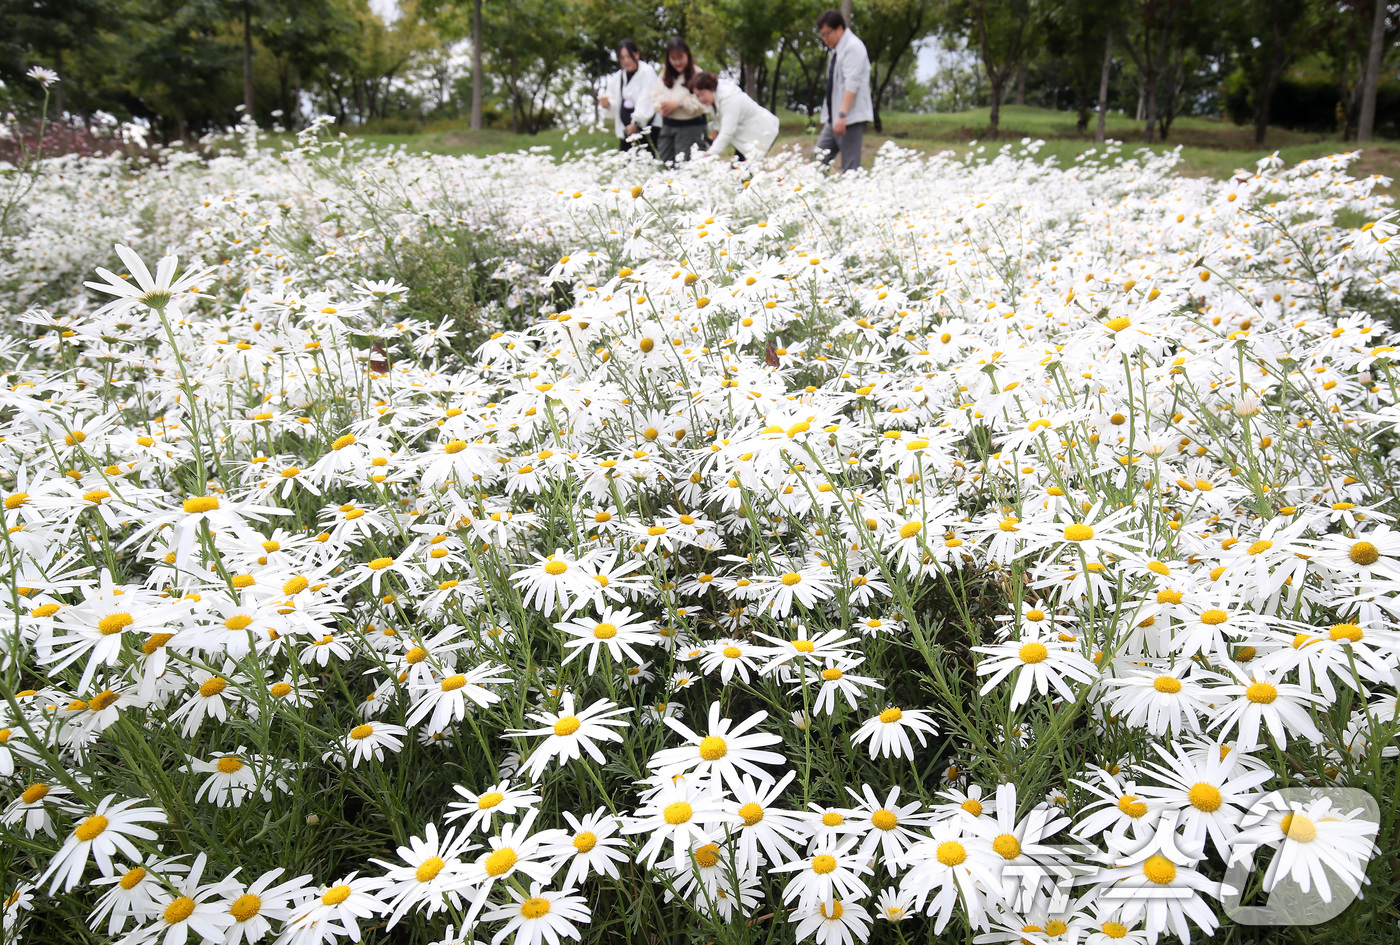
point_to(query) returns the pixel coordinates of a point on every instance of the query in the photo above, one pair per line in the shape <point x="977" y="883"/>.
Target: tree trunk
<point x="777" y="78"/>
<point x="994" y="121"/>
<point x="1150" y="84"/>
<point x="476" y="66"/>
<point x="1021" y="71"/>
<point x="1103" y="85"/>
<point x="1375" y="55"/>
<point x="748" y="72"/>
<point x="1263" y="104"/>
<point x="247" y="60"/>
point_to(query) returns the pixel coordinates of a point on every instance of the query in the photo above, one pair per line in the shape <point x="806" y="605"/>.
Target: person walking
<point x="682" y="116"/>
<point x="623" y="90"/>
<point x="743" y="123"/>
<point x="847" y="107"/>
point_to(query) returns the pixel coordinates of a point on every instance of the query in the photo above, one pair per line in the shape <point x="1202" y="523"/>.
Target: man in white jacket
<point x="625" y="91"/>
<point x="743" y="123"/>
<point x="847" y="106"/>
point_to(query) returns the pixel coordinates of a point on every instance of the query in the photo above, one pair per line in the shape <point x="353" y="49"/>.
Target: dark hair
<point x="632" y="47"/>
<point x="705" y="81"/>
<point x="831" y="18"/>
<point x="670" y="75"/>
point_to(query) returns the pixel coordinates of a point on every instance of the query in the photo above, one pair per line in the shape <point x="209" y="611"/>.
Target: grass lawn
<point x="1210" y="147"/>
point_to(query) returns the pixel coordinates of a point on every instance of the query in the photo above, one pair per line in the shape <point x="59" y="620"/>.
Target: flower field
<point x="773" y="557"/>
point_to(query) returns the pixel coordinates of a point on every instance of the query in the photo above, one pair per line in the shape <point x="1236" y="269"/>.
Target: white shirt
<point x="852" y="74"/>
<point x="635" y="88"/>
<point x="744" y="123"/>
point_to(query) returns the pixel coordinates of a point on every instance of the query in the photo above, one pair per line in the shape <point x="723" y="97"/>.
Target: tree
<point x="750" y="29"/>
<point x="1375" y="56"/>
<point x="1001" y="31"/>
<point x="1151" y="33"/>
<point x="1270" y="35"/>
<point x="56" y="33"/>
<point x="889" y="29"/>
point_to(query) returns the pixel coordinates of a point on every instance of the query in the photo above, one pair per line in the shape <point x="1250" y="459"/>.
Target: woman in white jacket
<point x="743" y="123"/>
<point x="624" y="93"/>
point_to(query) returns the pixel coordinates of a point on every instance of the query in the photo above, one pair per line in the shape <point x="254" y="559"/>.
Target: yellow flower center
<point x="823" y="864"/>
<point x="245" y="907"/>
<point x="1213" y="617"/>
<point x="605" y="631"/>
<point x="489" y="800"/>
<point x="201" y="503"/>
<point x="1259" y="547"/>
<point x="555" y="568"/>
<point x="454" y="446"/>
<point x="1205" y="797"/>
<point x="951" y="853"/>
<point x="1078" y="532"/>
<point x="973" y="806"/>
<point x="585" y="841"/>
<point x="891" y="715"/>
<point x="884" y="819"/>
<point x="1007" y="846"/>
<point x="1297" y="827"/>
<point x="500" y="862"/>
<point x="751" y="813"/>
<point x="361" y="731"/>
<point x="791" y="578"/>
<point x="453" y="683"/>
<point x="713" y="748"/>
<point x="831" y="674"/>
<point x="1033" y="653"/>
<point x="229" y="765"/>
<point x="708" y="855"/>
<point x="1114" y="929"/>
<point x="35" y="793"/>
<point x="1119" y="323"/>
<point x="1344" y="631"/>
<point x="1364" y="553"/>
<point x="212" y="686"/>
<point x="567" y="725"/>
<point x="336" y="895"/>
<point x="678" y="813"/>
<point x="97" y="495"/>
<point x="1261" y="693"/>
<point x="1130" y="805"/>
<point x="295" y="586"/>
<point x="910" y="529"/>
<point x="379" y="564"/>
<point x="804" y="646"/>
<point x="131" y="878"/>
<point x="836" y="910"/>
<point x="656" y="530"/>
<point x="178" y="911"/>
<point x="534" y="908"/>
<point x="832" y="819"/>
<point x="1167" y="684"/>
<point x="343" y="441"/>
<point x="1159" y="870"/>
<point x="427" y="871"/>
<point x="281" y="689"/>
<point x="114" y="623"/>
<point x="103" y="699"/>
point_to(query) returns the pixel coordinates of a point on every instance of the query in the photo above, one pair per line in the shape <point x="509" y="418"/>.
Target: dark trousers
<point x="847" y="145"/>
